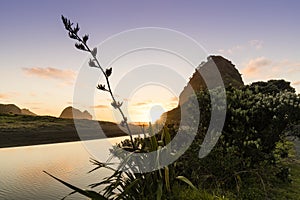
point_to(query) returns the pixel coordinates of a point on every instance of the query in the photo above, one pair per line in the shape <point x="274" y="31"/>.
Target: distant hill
<point x="230" y="76"/>
<point x="13" y="109"/>
<point x="9" y="109"/>
<point x="25" y="111"/>
<point x="74" y="113"/>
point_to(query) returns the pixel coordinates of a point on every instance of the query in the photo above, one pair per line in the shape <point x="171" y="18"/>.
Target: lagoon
<point x="21" y="169"/>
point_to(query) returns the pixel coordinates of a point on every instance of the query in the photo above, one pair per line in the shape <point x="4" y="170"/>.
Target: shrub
<point x="247" y="152"/>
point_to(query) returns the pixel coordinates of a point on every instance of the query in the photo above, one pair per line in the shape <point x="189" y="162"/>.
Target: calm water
<point x="21" y="175"/>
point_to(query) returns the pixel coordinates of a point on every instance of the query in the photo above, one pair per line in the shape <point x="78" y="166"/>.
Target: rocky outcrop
<point x="73" y="113"/>
<point x="230" y="76"/>
<point x="9" y="109"/>
<point x="14" y="110"/>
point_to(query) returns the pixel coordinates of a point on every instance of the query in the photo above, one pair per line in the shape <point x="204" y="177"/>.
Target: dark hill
<point x="230" y="76"/>
<point x="9" y="109"/>
<point x="25" y="111"/>
<point x="15" y="110"/>
<point x="73" y="113"/>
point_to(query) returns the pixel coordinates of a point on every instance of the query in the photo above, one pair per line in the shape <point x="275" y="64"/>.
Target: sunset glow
<point x="39" y="64"/>
<point x="149" y="102"/>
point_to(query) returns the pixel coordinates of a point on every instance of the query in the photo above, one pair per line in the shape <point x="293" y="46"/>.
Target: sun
<point x="148" y="103"/>
<point x="155" y="112"/>
<point x="150" y="112"/>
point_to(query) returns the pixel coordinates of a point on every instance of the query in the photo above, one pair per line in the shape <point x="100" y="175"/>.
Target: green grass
<point x="182" y="192"/>
<point x="278" y="191"/>
<point x="290" y="190"/>
<point x="19" y="122"/>
<point x="11" y="122"/>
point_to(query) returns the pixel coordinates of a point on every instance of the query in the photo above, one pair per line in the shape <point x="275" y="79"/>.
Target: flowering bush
<point x="247" y="152"/>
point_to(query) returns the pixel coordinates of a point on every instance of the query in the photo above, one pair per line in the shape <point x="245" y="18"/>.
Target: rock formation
<point x="230" y="76"/>
<point x="14" y="110"/>
<point x="9" y="109"/>
<point x="73" y="113"/>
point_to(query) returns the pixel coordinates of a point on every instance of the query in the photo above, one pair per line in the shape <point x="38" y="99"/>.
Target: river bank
<point x="21" y="130"/>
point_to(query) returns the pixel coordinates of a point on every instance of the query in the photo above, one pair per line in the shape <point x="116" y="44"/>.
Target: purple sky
<point x="260" y="37"/>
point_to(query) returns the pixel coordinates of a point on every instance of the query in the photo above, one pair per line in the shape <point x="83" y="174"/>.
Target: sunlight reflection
<point x="21" y="175"/>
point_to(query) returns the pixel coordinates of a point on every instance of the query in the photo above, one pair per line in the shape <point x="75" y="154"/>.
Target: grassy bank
<point x="23" y="130"/>
<point x="290" y="190"/>
<point x="278" y="191"/>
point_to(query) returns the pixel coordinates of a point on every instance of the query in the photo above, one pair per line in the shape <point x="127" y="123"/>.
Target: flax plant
<point x="81" y="44"/>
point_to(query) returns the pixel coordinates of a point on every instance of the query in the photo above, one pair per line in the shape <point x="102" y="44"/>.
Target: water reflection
<point x="21" y="175"/>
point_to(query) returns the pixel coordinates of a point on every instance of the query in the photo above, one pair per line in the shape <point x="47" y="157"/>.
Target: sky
<point x="39" y="65"/>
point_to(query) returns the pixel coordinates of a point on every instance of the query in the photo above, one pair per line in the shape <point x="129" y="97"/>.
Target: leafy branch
<point x="82" y="45"/>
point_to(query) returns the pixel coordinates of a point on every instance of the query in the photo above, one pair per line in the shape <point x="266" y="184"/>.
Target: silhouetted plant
<point x="126" y="184"/>
<point x="82" y="45"/>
